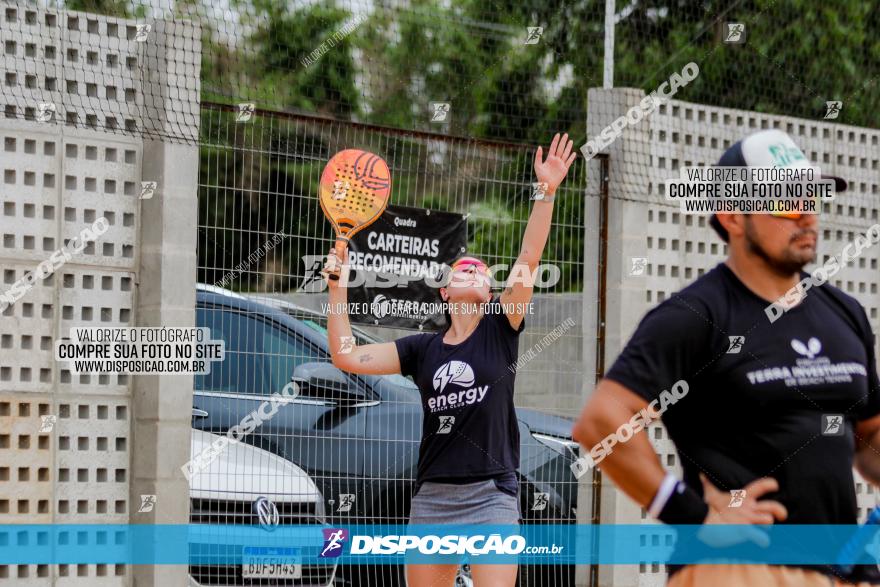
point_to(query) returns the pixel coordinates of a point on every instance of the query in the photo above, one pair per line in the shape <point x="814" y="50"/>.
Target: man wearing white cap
<point x="746" y="422"/>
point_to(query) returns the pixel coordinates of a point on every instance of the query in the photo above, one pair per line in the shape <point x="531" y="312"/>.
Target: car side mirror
<point x="324" y="381"/>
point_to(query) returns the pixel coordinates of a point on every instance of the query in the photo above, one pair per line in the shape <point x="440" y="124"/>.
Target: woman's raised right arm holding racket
<point x="368" y="359"/>
<point x="354" y="191"/>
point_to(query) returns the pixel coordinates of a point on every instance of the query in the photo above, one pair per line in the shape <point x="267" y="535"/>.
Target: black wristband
<point x="684" y="506"/>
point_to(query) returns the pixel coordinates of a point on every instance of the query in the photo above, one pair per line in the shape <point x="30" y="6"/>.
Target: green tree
<point x="471" y="53"/>
<point x="272" y="59"/>
<point x="118" y="8"/>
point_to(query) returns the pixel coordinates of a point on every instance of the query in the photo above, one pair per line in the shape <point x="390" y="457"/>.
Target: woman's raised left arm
<point x="521" y="280"/>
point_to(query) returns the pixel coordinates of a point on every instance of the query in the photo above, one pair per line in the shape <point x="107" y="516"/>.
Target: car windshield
<point x="364" y="338"/>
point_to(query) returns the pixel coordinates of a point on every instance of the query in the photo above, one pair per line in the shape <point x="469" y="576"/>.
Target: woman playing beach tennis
<point x="469" y="451"/>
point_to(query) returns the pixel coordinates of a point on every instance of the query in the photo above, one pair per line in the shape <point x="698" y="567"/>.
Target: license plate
<point x="271" y="563"/>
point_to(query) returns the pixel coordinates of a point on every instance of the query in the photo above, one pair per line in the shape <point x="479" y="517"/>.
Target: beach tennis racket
<point x="354" y="191"/>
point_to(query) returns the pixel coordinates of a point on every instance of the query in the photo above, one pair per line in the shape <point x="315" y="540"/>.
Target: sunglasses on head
<point x="466" y="263"/>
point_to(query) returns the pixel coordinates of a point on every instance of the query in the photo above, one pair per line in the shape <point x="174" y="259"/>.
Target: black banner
<point x="395" y="263"/>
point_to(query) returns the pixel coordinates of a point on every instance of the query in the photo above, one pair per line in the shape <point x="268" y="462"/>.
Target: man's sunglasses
<point x="789" y="215"/>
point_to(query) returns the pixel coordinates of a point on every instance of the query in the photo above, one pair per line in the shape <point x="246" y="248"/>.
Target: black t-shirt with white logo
<point x="773" y="399"/>
<point x="470" y="430"/>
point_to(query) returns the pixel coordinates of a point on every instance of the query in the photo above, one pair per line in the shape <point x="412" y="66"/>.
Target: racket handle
<point x="331" y="266"/>
<point x="339" y="248"/>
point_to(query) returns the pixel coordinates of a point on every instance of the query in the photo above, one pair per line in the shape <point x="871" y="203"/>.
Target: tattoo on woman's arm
<point x="366" y="358"/>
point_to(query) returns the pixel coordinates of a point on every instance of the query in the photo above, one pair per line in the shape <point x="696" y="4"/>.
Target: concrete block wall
<point x="58" y="177"/>
<point x="680" y="248"/>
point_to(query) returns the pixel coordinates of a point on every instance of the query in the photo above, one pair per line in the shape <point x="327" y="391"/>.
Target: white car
<point x="248" y="485"/>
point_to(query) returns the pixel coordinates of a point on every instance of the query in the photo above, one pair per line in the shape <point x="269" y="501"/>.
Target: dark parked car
<point x="357" y="436"/>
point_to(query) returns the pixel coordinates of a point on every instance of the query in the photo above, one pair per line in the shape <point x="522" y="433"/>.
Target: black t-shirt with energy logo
<point x="776" y="399"/>
<point x="469" y="430"/>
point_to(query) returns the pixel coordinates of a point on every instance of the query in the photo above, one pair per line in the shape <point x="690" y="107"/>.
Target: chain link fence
<point x="455" y="96"/>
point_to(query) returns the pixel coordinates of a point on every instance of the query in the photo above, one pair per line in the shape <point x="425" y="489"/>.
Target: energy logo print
<point x="457" y="372"/>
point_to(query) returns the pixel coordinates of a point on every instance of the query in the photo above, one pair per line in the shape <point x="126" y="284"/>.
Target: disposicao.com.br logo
<point x="492" y="544"/>
<point x="448" y="544"/>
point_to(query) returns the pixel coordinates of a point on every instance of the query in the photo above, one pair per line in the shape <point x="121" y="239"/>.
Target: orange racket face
<point x="355" y="189"/>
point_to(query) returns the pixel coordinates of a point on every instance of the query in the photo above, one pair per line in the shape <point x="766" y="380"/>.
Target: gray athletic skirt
<point x="481" y="502"/>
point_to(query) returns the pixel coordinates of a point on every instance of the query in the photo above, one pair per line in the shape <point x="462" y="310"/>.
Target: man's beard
<point x="789" y="264"/>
